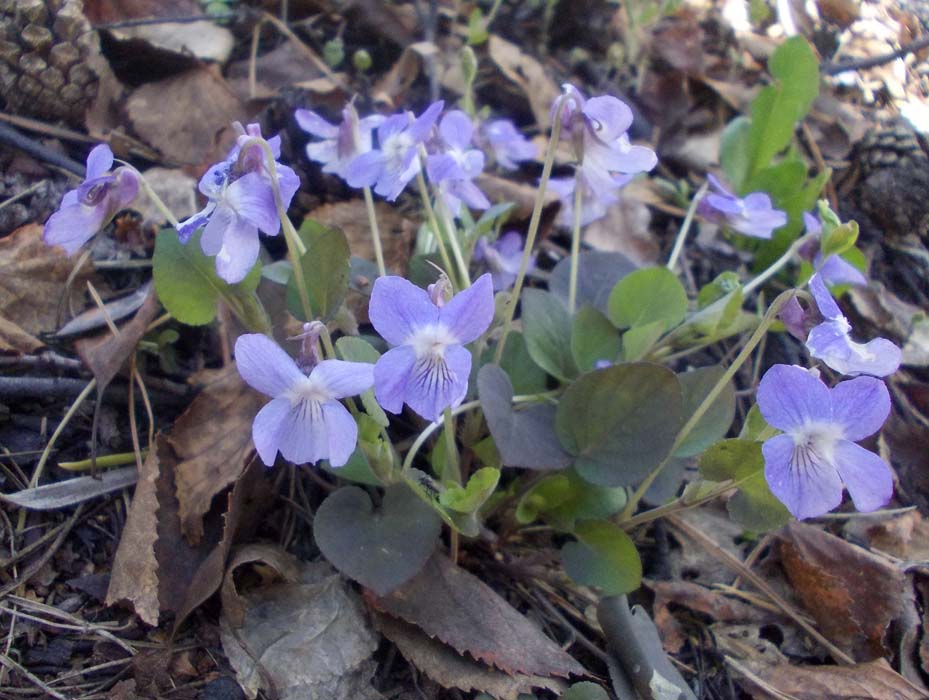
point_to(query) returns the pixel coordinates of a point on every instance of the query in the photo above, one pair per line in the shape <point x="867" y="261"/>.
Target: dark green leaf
<point x="187" y="283"/>
<point x="597" y="274"/>
<point x="604" y="557"/>
<point x="648" y="295"/>
<point x="547" y="330"/>
<point x="593" y="338"/>
<point x="619" y="422"/>
<point x="734" y="154"/>
<point x="354" y="349"/>
<point x="639" y="340"/>
<point x="380" y="548"/>
<point x="564" y="498"/>
<point x="527" y="377"/>
<point x="356" y="469"/>
<point x="585" y="691"/>
<point x="325" y="269"/>
<point x="715" y="423"/>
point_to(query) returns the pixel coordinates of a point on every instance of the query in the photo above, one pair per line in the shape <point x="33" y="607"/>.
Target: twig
<point x="13" y="666"/>
<point x="144" y="21"/>
<point x="306" y="50"/>
<point x="36" y="566"/>
<point x="874" y="61"/>
<point x="724" y="557"/>
<point x="30" y="387"/>
<point x="12" y="138"/>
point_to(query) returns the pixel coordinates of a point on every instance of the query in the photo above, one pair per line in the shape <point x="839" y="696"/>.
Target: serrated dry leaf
<point x="33" y="280"/>
<point x="452" y="670"/>
<point x="212" y="442"/>
<point x="852" y="594"/>
<point x="455" y="606"/>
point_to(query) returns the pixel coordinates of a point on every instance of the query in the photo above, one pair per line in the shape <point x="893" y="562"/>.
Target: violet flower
<point x="340" y="144"/>
<point x="507" y="143"/>
<point x="504" y="258"/>
<point x="752" y="215"/>
<point x="808" y="464"/>
<point x="241" y="202"/>
<point x="454" y="168"/>
<point x="835" y="269"/>
<point x="391" y="167"/>
<point x="92" y="205"/>
<point x="304" y="420"/>
<point x="595" y="201"/>
<point x="830" y="341"/>
<point x="429" y="368"/>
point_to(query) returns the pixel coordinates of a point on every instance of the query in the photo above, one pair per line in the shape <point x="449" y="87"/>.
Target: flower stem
<point x="375" y="232"/>
<point x="434" y="225"/>
<point x="708" y="400"/>
<point x="685" y="227"/>
<point x="451" y="232"/>
<point x="776" y="266"/>
<point x="452" y="470"/>
<point x="575" y="244"/>
<point x="534" y="222"/>
<point x="155" y="199"/>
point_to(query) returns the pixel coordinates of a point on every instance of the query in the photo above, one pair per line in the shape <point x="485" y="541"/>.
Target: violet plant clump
<point x="87" y="209"/>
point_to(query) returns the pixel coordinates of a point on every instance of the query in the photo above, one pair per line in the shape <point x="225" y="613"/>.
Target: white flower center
<point x="429" y="342"/>
<point x="308" y="389"/>
<point x="396" y="147"/>
<point x="815" y="442"/>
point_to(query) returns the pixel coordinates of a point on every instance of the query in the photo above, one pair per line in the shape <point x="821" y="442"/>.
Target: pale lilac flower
<point x="304" y="420"/>
<point x="340" y="144"/>
<point x="595" y="201"/>
<point x="835" y="269"/>
<point x="90" y="207"/>
<point x="830" y="341"/>
<point x="241" y="202"/>
<point x="808" y="464"/>
<point x="752" y="215"/>
<point x="508" y="144"/>
<point x="455" y="166"/>
<point x="429" y="367"/>
<point x="504" y="258"/>
<point x="390" y="167"/>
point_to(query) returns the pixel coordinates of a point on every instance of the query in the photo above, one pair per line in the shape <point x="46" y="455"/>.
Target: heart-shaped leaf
<point x="604" y="556"/>
<point x="715" y="423"/>
<point x="378" y="548"/>
<point x="648" y="295"/>
<point x="325" y="270"/>
<point x="597" y="273"/>
<point x="547" y="329"/>
<point x="619" y="422"/>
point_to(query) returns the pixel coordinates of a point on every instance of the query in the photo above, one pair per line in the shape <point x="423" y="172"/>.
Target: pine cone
<point x="47" y="53"/>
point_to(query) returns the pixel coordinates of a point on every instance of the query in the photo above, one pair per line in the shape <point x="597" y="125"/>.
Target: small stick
<point x="874" y="61"/>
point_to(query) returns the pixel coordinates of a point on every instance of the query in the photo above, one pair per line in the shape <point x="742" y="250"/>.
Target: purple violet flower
<point x="503" y="257"/>
<point x="241" y="202"/>
<point x="595" y="201"/>
<point x="808" y="464"/>
<point x="429" y="367"/>
<point x="835" y="269"/>
<point x="830" y="341"/>
<point x="88" y="208"/>
<point x="508" y="144"/>
<point x="304" y="420"/>
<point x="391" y="167"/>
<point x="340" y="144"/>
<point x="752" y="215"/>
<point x="453" y="169"/>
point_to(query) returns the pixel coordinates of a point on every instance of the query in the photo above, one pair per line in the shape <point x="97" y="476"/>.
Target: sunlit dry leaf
<point x="452" y="670"/>
<point x="625" y="230"/>
<point x="852" y="594"/>
<point x="187" y="117"/>
<point x="308" y="639"/>
<point x="62" y="494"/>
<point x="528" y="74"/>
<point x="279" y="68"/>
<point x="453" y="605"/>
<point x="32" y="287"/>
<point x="212" y="441"/>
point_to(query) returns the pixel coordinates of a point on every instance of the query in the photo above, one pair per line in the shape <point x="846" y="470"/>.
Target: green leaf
<point x="547" y="330"/>
<point x="779" y="107"/>
<point x="593" y="338"/>
<point x="648" y="295"/>
<point x="186" y="281"/>
<point x="754" y="507"/>
<point x="354" y="349"/>
<point x="839" y="239"/>
<point x="724" y="283"/>
<point x="477" y="27"/>
<point x="380" y="548"/>
<point x="639" y="340"/>
<point x="357" y="469"/>
<point x="715" y="423"/>
<point x="470" y="498"/>
<point x="585" y="691"/>
<point x="325" y="270"/>
<point x="734" y="154"/>
<point x="527" y="377"/>
<point x="597" y="273"/>
<point x="604" y="557"/>
<point x="619" y="422"/>
<point x="564" y="498"/>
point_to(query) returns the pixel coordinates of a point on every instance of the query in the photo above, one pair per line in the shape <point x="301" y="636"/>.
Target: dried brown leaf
<point x="286" y="565"/>
<point x="33" y="279"/>
<point x="852" y="594"/>
<point x="212" y="442"/>
<point x="452" y="670"/>
<point x="455" y="606"/>
<point x="875" y="680"/>
<point x="528" y="74"/>
<point x="187" y="117"/>
<point x="282" y="67"/>
<point x="625" y="230"/>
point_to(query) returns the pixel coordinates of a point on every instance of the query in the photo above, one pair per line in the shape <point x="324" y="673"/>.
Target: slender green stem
<point x="452" y="467"/>
<point x="534" y="222"/>
<point x="776" y="266"/>
<point x="685" y="227"/>
<point x="679" y="504"/>
<point x="451" y="233"/>
<point x="708" y="400"/>
<point x="575" y="243"/>
<point x="429" y="430"/>
<point x="155" y="199"/>
<point x="434" y="225"/>
<point x="103" y="462"/>
<point x="375" y="231"/>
